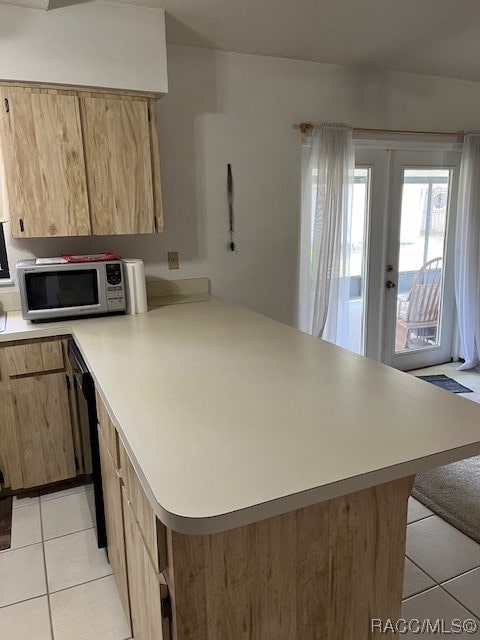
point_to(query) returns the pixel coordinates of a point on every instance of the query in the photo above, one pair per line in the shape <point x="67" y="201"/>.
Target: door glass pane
<point x="358" y="258"/>
<point x="424" y="213"/>
<point x="353" y="267"/>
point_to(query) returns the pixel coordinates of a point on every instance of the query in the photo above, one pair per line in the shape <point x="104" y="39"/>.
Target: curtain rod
<point x="305" y="126"/>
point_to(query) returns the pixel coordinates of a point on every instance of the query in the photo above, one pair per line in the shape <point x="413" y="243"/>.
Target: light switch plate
<point x="173" y="260"/>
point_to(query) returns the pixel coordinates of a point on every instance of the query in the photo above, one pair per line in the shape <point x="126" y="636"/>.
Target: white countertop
<point x="231" y="417"/>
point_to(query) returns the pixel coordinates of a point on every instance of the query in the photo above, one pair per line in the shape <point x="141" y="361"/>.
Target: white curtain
<point x="328" y="180"/>
<point x="467" y="255"/>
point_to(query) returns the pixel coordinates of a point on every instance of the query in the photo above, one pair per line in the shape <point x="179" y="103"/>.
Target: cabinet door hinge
<point x="155" y="224"/>
<point x="166" y="606"/>
<point x="7" y="105"/>
<point x="166" y="609"/>
<point x="149" y="114"/>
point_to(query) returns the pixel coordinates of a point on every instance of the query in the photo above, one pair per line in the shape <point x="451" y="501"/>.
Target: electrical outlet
<point x="173" y="260"/>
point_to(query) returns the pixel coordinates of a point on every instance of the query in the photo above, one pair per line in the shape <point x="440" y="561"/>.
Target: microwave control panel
<point x="115" y="287"/>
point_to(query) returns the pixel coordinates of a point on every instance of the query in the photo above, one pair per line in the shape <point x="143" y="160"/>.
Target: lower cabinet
<point x="42" y="421"/>
<point x="144" y="584"/>
<point x="133" y="550"/>
<point x="112" y="497"/>
<point x="39" y="437"/>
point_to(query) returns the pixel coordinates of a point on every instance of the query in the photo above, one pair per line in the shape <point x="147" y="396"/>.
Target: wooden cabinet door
<point x="44" y="163"/>
<point x="112" y="498"/>
<point x="144" y="586"/>
<point x="42" y="421"/>
<point x="118" y="155"/>
<point x="10" y="464"/>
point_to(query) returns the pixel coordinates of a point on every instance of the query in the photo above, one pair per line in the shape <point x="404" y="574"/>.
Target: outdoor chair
<point x="418" y="312"/>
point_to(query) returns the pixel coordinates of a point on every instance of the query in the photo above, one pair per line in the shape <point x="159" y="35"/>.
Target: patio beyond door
<point x="409" y="280"/>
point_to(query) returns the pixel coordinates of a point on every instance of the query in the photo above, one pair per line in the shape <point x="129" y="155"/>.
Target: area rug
<point x="453" y="492"/>
<point x="5" y="523"/>
<point x="444" y="382"/>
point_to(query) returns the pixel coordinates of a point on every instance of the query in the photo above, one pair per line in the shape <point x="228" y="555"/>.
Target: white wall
<point x="98" y="44"/>
<point x="225" y="107"/>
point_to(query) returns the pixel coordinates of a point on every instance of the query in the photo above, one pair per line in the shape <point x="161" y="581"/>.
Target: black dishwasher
<point x="87" y="413"/>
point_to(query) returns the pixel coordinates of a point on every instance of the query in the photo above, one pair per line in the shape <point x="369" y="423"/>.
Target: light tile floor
<point x="55" y="584"/>
<point x="442" y="570"/>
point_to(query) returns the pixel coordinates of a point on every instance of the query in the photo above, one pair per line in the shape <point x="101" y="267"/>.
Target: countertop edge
<point x="262" y="511"/>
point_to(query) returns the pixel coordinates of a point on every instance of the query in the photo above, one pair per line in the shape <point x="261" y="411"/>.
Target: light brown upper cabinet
<point x="44" y="164"/>
<point x="79" y="162"/>
<point x="120" y="175"/>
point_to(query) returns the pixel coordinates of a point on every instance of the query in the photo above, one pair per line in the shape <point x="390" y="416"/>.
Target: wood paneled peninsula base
<point x="318" y="573"/>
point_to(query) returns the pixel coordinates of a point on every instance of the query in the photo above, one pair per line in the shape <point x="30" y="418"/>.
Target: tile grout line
<point x="22" y="506"/>
<point x="460" y="575"/>
<point x="32" y="544"/>
<point x="475" y="615"/>
<point x="67" y="495"/>
<point x="24" y="546"/>
<point x="420" y="593"/>
<point x="464" y="573"/>
<point x="80" y="584"/>
<point x="440" y="584"/>
<point x="435" y="582"/>
<point x="15" y="526"/>
<point x="430" y="515"/>
<point x="64" y="535"/>
<point x="12" y="604"/>
<point x="46" y="574"/>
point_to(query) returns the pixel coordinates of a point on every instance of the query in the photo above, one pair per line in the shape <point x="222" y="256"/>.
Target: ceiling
<point x="433" y="37"/>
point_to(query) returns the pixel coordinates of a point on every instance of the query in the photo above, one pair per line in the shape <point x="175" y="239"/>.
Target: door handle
<point x="390" y="284"/>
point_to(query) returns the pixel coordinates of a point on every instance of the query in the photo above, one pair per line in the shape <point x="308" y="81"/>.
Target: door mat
<point x="453" y="493"/>
<point x="5" y="523"/>
<point x="444" y="382"/>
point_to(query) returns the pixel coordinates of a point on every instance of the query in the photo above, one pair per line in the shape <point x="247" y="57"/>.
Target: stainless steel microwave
<point x="70" y="289"/>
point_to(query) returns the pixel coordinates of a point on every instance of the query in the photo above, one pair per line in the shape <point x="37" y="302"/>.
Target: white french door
<point x="406" y="296"/>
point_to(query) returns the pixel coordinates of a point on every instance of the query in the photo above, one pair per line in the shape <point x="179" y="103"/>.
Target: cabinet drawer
<point x="108" y="430"/>
<point x="143" y="581"/>
<point x="37" y="357"/>
<point x="153" y="531"/>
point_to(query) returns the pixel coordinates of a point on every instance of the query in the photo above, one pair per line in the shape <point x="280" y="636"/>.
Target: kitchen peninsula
<point x="278" y="466"/>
